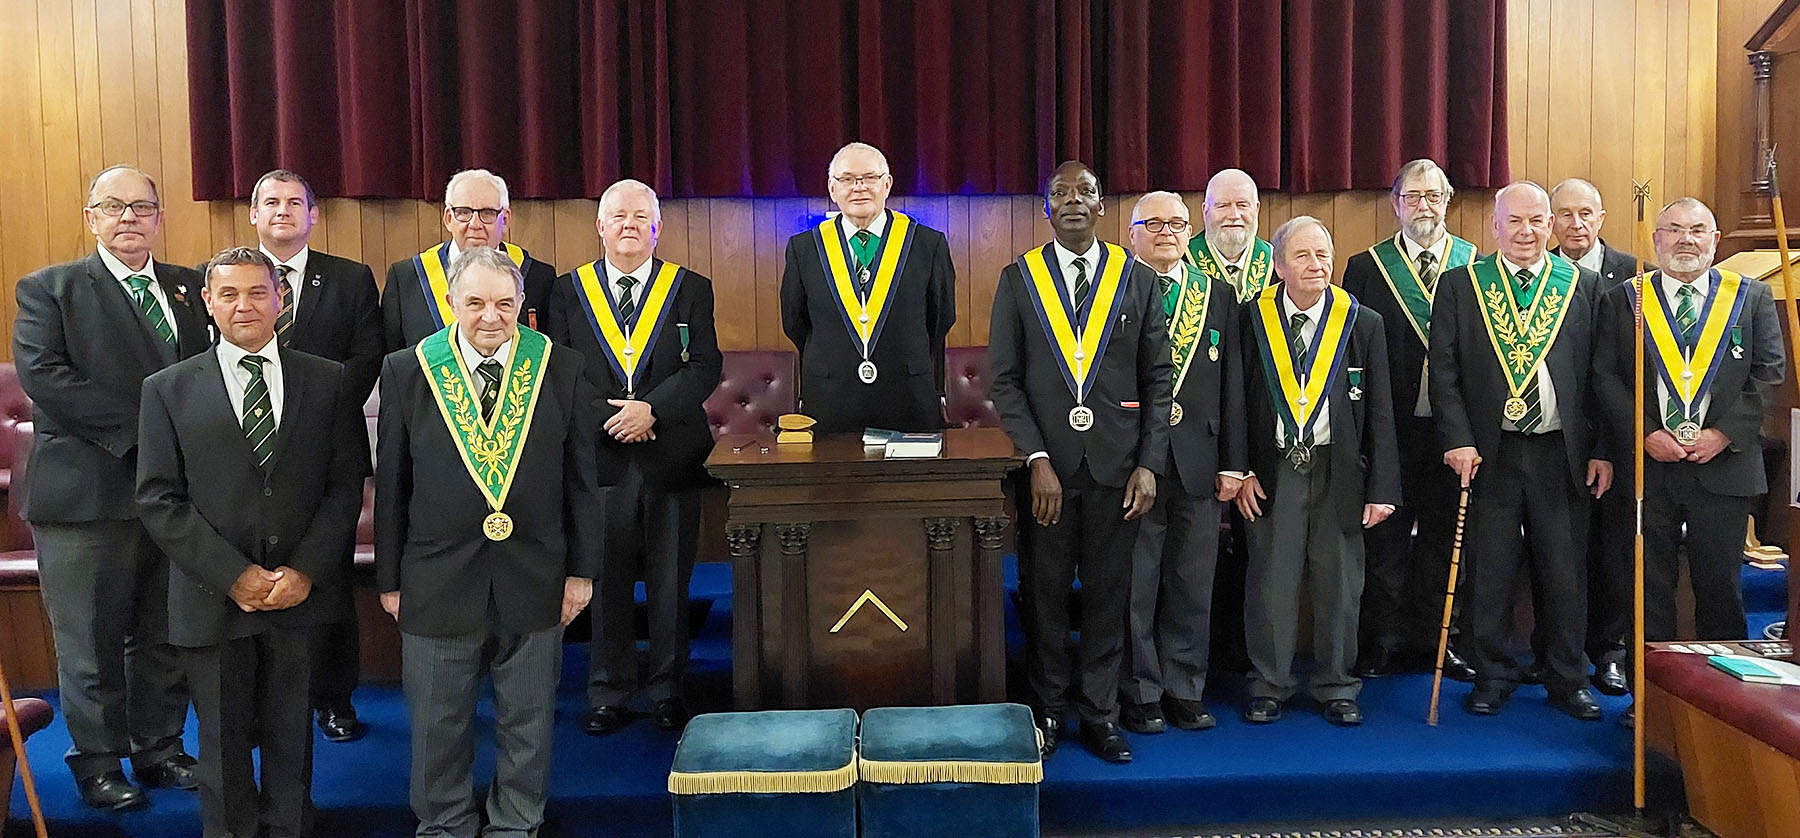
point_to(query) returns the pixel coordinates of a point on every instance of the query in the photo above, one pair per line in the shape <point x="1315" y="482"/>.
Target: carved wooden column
<point x="1758" y="213"/>
<point x="990" y="614"/>
<point x="940" y="546"/>
<point x="745" y="543"/>
<point x="793" y="617"/>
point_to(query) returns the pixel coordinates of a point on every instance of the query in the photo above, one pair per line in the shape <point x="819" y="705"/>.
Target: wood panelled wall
<point x="1604" y="89"/>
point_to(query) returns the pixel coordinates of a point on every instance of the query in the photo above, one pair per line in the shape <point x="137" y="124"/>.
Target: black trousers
<point x="1715" y="549"/>
<point x="1171" y="596"/>
<point x="1229" y="580"/>
<point x="249" y="695"/>
<point x="1092" y="541"/>
<point x="337" y="667"/>
<point x="651" y="534"/>
<point x="1526" y="484"/>
<point x="1609" y="573"/>
<point x="1407" y="571"/>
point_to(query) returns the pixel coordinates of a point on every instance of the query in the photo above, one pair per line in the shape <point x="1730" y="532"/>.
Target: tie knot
<point x="138" y="282"/>
<point x="627" y="281"/>
<point x="1426" y="258"/>
<point x="1081" y="265"/>
<point x="1298" y="320"/>
<point x="489" y="369"/>
<point x="253" y="364"/>
<point x="1233" y="269"/>
<point x="863" y="237"/>
<point x="1687" y="290"/>
<point x="1524" y="277"/>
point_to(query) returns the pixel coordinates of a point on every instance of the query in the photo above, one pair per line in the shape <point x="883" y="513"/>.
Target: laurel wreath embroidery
<point x="492" y="450"/>
<point x="1253" y="282"/>
<point x="1185" y="336"/>
<point x="1522" y="350"/>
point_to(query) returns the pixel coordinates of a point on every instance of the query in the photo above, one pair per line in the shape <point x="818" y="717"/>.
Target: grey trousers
<point x="1172" y="568"/>
<point x="1299" y="534"/>
<point x="123" y="694"/>
<point x="440" y="677"/>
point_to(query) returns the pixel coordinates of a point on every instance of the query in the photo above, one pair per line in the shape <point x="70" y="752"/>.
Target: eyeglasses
<point x="1412" y="199"/>
<point x="1698" y="231"/>
<point x="463" y="214"/>
<point x="858" y="180"/>
<point x="1157" y="225"/>
<point x="113" y="208"/>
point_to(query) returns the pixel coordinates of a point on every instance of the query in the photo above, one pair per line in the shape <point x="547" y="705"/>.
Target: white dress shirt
<point x="121" y="273"/>
<point x="1671" y="288"/>
<point x="1552" y="420"/>
<point x="473" y="358"/>
<point x="1309" y="332"/>
<point x="1591" y="259"/>
<point x="877" y="226"/>
<point x="237" y="379"/>
<point x="641" y="273"/>
<point x="297" y="275"/>
<point x="1439" y="252"/>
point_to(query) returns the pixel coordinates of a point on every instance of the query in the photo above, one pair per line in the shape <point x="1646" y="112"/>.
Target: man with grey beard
<point x="1407" y="569"/>
<point x="1712" y="355"/>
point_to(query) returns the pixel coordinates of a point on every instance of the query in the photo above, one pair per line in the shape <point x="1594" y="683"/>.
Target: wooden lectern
<point x="860" y="581"/>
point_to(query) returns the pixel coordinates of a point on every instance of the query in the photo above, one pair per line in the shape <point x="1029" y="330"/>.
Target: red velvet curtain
<point x="387" y="98"/>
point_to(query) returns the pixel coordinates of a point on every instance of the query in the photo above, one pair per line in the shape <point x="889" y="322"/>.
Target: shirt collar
<point x="1412" y="249"/>
<point x="641" y="273"/>
<point x="1537" y="269"/>
<point x="878" y="227"/>
<point x="1242" y="263"/>
<point x="1592" y="260"/>
<point x="1314" y="313"/>
<point x="1672" y="286"/>
<point x="230" y="353"/>
<point x="474" y="358"/>
<point x="298" y="263"/>
<point x="118" y="269"/>
<point x="1065" y="256"/>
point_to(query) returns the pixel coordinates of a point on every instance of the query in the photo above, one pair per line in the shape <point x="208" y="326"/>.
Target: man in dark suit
<point x="329" y="308"/>
<point x="1704" y="462"/>
<point x="1081" y="370"/>
<point x="645" y="328"/>
<point x="1321" y="438"/>
<point x="88" y="332"/>
<point x="1576" y="216"/>
<point x="1406" y="574"/>
<point x="250" y="477"/>
<point x="476" y="212"/>
<point x="868" y="297"/>
<point x="486" y="541"/>
<point x="1511" y="348"/>
<point x="1178" y="541"/>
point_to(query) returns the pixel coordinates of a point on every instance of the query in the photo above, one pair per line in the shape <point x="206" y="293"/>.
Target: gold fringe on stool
<point x="1437" y="672"/>
<point x="18" y="746"/>
<point x="950" y="771"/>
<point x="764" y="782"/>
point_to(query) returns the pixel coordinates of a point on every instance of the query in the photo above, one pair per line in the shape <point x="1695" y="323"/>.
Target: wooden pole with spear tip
<point x="1787" y="270"/>
<point x="1640" y="193"/>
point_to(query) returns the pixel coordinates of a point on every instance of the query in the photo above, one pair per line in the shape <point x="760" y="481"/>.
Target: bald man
<point x="1511" y="350"/>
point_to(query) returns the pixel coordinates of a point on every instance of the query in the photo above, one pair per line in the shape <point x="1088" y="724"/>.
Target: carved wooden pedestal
<point x="863" y="582"/>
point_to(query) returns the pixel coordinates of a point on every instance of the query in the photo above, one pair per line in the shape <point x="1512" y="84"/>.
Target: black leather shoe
<point x="111" y="791"/>
<point x="176" y="772"/>
<point x="1609" y="678"/>
<point x="339" y="724"/>
<point x="1187" y="714"/>
<point x="1456" y="668"/>
<point x="1051" y="728"/>
<point x="1142" y="718"/>
<point x="1580" y="704"/>
<point x="1377" y="662"/>
<point x="1104" y="741"/>
<point x="605" y="719"/>
<point x="1532" y="675"/>
<point x="1484" y="703"/>
<point x="1262" y="710"/>
<point x="670" y="714"/>
<point x="1343" y="712"/>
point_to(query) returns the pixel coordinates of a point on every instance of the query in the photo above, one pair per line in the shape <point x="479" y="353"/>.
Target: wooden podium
<point x="859" y="581"/>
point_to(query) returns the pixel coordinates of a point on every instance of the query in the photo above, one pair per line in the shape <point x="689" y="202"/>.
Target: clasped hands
<point x="1662" y="447"/>
<point x="578" y="591"/>
<point x="634" y="422"/>
<point x="261" y="589"/>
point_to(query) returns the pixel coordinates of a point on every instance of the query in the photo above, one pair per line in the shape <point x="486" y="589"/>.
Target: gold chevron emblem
<point x="868" y="596"/>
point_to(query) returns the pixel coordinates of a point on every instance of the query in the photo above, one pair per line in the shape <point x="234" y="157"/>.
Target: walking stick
<point x="1437" y="675"/>
<point x="18" y="746"/>
<point x="1641" y="194"/>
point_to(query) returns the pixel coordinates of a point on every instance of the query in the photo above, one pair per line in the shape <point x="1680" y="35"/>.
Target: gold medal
<point x="1514" y="410"/>
<point x="497" y="526"/>
<point x="1687" y="433"/>
<point x="1175" y="414"/>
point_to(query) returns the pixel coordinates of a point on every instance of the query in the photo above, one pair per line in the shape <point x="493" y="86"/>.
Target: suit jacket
<point x="83" y="349"/>
<point x="408" y="317"/>
<point x="1469" y="390"/>
<point x="909" y="354"/>
<point x="1406" y="352"/>
<point x="676" y="389"/>
<point x="1130" y="396"/>
<point x="1365" y="462"/>
<point x="1616" y="266"/>
<point x="1739" y="391"/>
<point x="340" y="319"/>
<point x="214" y="511"/>
<point x="428" y="511"/>
<point x="1210" y="437"/>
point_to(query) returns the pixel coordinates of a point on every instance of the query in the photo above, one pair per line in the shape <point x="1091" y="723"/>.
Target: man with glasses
<point x="1406" y="569"/>
<point x="868" y="297"/>
<point x="87" y="335"/>
<point x="476" y="211"/>
<point x="1511" y="350"/>
<point x="1712" y="356"/>
<point x="1576" y="217"/>
<point x="329" y="307"/>
<point x="1178" y="543"/>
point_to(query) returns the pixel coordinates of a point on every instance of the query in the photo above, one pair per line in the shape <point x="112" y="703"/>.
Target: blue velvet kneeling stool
<point x="779" y="772"/>
<point x="949" y="771"/>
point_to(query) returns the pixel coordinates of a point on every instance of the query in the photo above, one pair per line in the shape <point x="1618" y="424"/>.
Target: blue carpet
<point x="1529" y="761"/>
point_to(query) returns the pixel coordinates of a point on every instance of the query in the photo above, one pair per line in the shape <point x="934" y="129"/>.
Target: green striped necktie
<point x="259" y="411"/>
<point x="153" y="310"/>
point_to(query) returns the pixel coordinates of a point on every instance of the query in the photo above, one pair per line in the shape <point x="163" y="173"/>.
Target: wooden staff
<point x="18" y="746"/>
<point x="1437" y="675"/>
<point x="1787" y="271"/>
<point x="1641" y="194"/>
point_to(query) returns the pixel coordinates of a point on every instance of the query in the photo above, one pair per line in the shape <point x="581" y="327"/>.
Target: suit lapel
<point x="293" y="388"/>
<point x="191" y="333"/>
<point x="314" y="280"/>
<point x="120" y="308"/>
<point x="213" y="391"/>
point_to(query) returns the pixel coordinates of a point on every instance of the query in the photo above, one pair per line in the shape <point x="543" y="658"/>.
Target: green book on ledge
<point x="1756" y="670"/>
